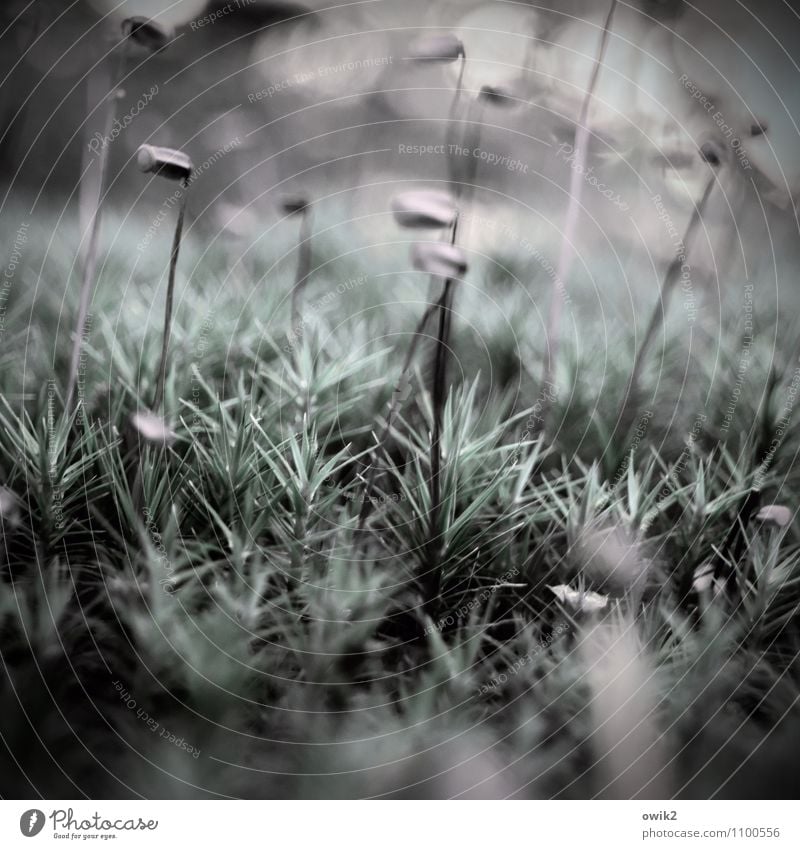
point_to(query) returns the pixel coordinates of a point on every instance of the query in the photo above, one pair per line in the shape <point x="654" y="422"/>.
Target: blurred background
<point x="319" y="98"/>
<point x="323" y="102"/>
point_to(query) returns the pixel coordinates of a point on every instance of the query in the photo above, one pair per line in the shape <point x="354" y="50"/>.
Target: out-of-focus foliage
<point x="235" y="635"/>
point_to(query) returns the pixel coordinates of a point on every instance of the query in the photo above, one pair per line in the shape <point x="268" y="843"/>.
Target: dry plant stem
<point x="567" y="252"/>
<point x="451" y="127"/>
<point x="459" y="85"/>
<point x="441" y="307"/>
<point x="90" y="264"/>
<point x="303" y="268"/>
<point x="456" y="100"/>
<point x="431" y="309"/>
<point x="158" y="400"/>
<point x="471" y="140"/>
<point x="434" y="577"/>
<point x="630" y="398"/>
<point x="472" y="134"/>
<point x="99" y="83"/>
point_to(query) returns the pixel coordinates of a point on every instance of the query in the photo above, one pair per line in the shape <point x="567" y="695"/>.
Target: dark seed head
<point x="497" y="96"/>
<point x="759" y="128"/>
<point x="148" y="34"/>
<point x="294" y="204"/>
<point x="712" y="154"/>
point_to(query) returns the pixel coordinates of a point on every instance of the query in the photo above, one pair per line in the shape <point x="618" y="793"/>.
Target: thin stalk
<point x="90" y="264"/>
<point x="451" y="130"/>
<point x="439" y="306"/>
<point x="472" y="138"/>
<point x="438" y="399"/>
<point x="303" y="267"/>
<point x="454" y="104"/>
<point x="98" y="84"/>
<point x="671" y="277"/>
<point x="173" y="264"/>
<point x="459" y="84"/>
<point x="396" y="402"/>
<point x="567" y="252"/>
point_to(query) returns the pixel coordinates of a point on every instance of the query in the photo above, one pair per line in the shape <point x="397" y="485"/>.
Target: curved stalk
<point x="173" y="263"/>
<point x="303" y="267"/>
<point x="440" y="306"/>
<point x="671" y="277"/>
<point x="454" y="104"/>
<point x="434" y="577"/>
<point x="567" y="253"/>
<point x="90" y="263"/>
<point x="443" y="307"/>
<point x="433" y="307"/>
